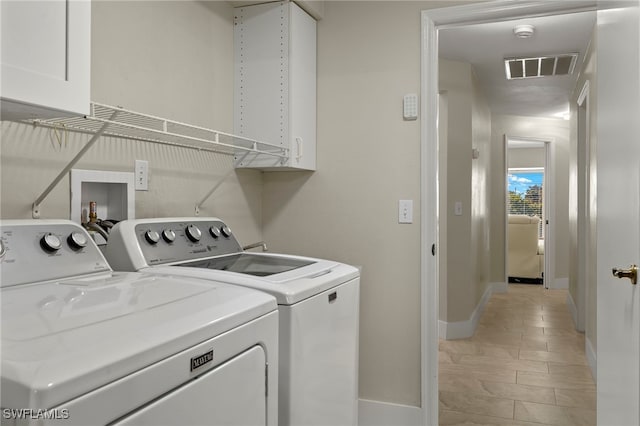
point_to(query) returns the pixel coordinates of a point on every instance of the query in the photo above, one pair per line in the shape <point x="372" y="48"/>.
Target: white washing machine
<point x="317" y="300"/>
<point x="82" y="345"/>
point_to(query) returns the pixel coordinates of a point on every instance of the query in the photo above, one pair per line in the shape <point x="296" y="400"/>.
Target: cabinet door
<point x="302" y="89"/>
<point x="45" y="58"/>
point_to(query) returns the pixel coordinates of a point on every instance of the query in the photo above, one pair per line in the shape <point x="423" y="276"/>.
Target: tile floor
<point x="524" y="366"/>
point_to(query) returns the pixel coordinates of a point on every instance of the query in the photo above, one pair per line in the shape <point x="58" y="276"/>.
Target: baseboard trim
<point x="573" y="309"/>
<point x="442" y="329"/>
<point x="499" y="287"/>
<point x="591" y="359"/>
<point x="464" y="329"/>
<point x="378" y="413"/>
<point x="559" y="284"/>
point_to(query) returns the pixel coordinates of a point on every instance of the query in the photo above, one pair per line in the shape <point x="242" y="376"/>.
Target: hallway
<point x="524" y="366"/>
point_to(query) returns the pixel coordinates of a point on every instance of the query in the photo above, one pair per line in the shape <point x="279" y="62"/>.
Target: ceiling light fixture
<point x="524" y="31"/>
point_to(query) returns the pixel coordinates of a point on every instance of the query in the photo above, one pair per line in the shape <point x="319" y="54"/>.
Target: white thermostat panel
<point x="410" y="106"/>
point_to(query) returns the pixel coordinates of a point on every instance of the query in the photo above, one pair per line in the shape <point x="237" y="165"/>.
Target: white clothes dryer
<point x="318" y="302"/>
<point x="82" y="345"/>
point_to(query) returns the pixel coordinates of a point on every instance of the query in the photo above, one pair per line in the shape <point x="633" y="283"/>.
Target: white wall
<point x="171" y="59"/>
<point x="530" y="127"/>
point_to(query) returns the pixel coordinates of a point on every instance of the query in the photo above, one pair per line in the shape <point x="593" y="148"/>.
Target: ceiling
<point x="314" y="8"/>
<point x="486" y="46"/>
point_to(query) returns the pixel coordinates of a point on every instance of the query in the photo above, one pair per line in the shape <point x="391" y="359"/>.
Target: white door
<point x="618" y="216"/>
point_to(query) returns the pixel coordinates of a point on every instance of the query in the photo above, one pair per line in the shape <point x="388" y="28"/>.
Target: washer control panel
<point x="41" y="250"/>
<point x="176" y="241"/>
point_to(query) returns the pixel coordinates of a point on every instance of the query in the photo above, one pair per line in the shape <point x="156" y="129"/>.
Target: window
<point x="526" y="193"/>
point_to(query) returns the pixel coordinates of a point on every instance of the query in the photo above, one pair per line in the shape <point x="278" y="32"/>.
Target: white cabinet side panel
<point x="261" y="61"/>
<point x="302" y="89"/>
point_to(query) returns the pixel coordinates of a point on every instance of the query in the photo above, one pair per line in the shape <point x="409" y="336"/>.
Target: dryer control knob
<point x="193" y="233"/>
<point x="77" y="240"/>
<point x="3" y="250"/>
<point x="50" y="243"/>
<point x="168" y="235"/>
<point x="152" y="237"/>
<point x="215" y="232"/>
<point x="225" y="231"/>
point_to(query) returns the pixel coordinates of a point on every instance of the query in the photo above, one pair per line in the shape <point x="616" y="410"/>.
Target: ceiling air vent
<point x="542" y="66"/>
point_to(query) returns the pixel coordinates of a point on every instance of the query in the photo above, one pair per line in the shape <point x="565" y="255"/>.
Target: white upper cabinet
<point x="45" y="58"/>
<point x="275" y="83"/>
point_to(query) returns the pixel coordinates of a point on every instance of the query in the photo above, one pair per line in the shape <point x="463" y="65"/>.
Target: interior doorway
<point x="528" y="203"/>
<point x="432" y="22"/>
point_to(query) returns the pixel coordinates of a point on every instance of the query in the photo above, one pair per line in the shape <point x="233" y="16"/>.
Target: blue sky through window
<point x="520" y="181"/>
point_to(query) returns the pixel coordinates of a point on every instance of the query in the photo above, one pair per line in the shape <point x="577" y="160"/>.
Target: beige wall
<point x="175" y="59"/>
<point x="456" y="82"/>
<point x="171" y="59"/>
<point x="526" y="157"/>
<point x="481" y="209"/>
<point x="465" y="275"/>
<point x="368" y="159"/>
<point x="531" y="127"/>
<point x="587" y="73"/>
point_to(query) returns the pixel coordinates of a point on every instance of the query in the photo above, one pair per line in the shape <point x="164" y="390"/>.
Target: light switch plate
<point x="141" y="175"/>
<point x="405" y="211"/>
<point x="458" y="208"/>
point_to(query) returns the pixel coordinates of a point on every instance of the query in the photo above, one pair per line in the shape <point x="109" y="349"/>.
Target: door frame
<point x="548" y="218"/>
<point x="432" y="21"/>
<point x="583" y="214"/>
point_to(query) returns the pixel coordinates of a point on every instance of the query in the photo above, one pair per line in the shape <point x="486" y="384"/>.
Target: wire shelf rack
<point x="123" y="123"/>
<point x="105" y="120"/>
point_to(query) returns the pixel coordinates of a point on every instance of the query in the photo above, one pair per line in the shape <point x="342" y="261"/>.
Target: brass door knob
<point x="631" y="273"/>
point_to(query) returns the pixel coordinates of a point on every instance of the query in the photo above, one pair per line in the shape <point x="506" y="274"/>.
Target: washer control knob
<point x="77" y="240"/>
<point x="193" y="233"/>
<point x="215" y="232"/>
<point x="168" y="235"/>
<point x="3" y="250"/>
<point x="50" y="243"/>
<point x="226" y="231"/>
<point x="152" y="237"/>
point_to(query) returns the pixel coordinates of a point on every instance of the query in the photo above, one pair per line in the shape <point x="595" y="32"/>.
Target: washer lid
<point x="63" y="339"/>
<point x="252" y="264"/>
<point x="290" y="279"/>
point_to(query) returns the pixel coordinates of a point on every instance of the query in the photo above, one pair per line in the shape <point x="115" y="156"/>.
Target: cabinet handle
<point x="299" y="143"/>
